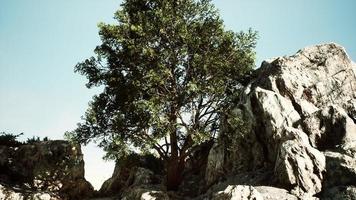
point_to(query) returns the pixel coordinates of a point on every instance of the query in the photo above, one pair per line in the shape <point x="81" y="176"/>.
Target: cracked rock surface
<point x="296" y="117"/>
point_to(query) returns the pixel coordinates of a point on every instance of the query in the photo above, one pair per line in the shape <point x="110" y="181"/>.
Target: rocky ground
<point x="290" y="133"/>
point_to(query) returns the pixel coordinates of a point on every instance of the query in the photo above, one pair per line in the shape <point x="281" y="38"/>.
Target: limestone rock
<point x="133" y="171"/>
<point x="299" y="165"/>
<point x="49" y="166"/>
<point x="289" y="112"/>
<point x="330" y="127"/>
<point x="238" y="192"/>
<point x="272" y="193"/>
<point x="320" y="75"/>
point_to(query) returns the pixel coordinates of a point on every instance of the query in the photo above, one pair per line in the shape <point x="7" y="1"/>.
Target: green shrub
<point x="10" y="139"/>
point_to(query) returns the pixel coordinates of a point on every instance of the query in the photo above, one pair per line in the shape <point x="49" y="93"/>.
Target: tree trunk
<point x="175" y="167"/>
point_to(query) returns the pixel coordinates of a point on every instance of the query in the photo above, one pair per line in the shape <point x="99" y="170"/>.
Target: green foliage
<point x="167" y="67"/>
<point x="35" y="139"/>
<point x="9" y="139"/>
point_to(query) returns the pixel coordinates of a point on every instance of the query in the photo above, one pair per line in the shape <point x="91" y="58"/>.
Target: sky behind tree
<point x="41" y="41"/>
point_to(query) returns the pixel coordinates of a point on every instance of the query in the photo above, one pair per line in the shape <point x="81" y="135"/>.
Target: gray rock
<point x="340" y="169"/>
<point x="138" y="193"/>
<point x="51" y="166"/>
<point x="329" y="128"/>
<point x="291" y="110"/>
<point x="299" y="165"/>
<point x="340" y="193"/>
<point x="132" y="174"/>
<point x="320" y="75"/>
<point x="238" y="192"/>
<point x="215" y="164"/>
<point x="272" y="193"/>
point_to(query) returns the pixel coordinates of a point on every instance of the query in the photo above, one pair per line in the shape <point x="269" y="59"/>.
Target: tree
<point x="166" y="68"/>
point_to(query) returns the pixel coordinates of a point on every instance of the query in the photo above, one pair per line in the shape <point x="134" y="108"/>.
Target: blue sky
<point x="42" y="40"/>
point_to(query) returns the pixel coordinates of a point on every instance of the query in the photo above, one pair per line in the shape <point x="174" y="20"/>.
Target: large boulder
<point x="286" y="116"/>
<point x="246" y="192"/>
<point x="48" y="166"/>
<point x="134" y="171"/>
<point x="238" y="192"/>
<point x="272" y="193"/>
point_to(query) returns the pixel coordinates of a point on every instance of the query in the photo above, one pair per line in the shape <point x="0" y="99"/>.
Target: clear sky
<point x="42" y="40"/>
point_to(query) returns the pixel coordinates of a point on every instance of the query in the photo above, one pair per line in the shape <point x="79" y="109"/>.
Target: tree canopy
<point x="167" y="67"/>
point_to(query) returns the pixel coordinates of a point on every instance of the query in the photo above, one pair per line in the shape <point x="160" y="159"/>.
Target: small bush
<point x="10" y="139"/>
<point x="35" y="139"/>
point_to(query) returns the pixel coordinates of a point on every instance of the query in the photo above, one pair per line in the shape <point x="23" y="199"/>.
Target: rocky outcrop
<point x="289" y="133"/>
<point x="296" y="117"/>
<point x="48" y="168"/>
<point x="135" y="177"/>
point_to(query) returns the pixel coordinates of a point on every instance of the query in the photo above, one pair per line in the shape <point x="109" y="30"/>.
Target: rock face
<point x="295" y="117"/>
<point x="56" y="168"/>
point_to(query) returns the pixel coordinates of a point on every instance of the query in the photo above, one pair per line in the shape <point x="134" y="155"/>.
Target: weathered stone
<point x="251" y="142"/>
<point x="133" y="171"/>
<point x="238" y="192"/>
<point x="215" y="163"/>
<point x="138" y="193"/>
<point x="320" y="74"/>
<point x="340" y="193"/>
<point x="340" y="169"/>
<point x="272" y="193"/>
<point x="50" y="166"/>
<point x="299" y="166"/>
<point x="290" y="110"/>
<point x="330" y="128"/>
